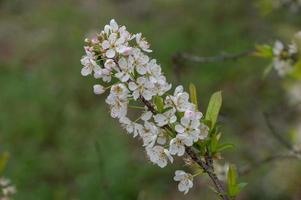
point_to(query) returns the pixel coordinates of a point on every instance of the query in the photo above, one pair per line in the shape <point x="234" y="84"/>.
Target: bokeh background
<point x="61" y="140"/>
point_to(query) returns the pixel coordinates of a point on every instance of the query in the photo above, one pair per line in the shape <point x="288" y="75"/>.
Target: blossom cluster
<point x="7" y="190"/>
<point x="284" y="57"/>
<point x="120" y="60"/>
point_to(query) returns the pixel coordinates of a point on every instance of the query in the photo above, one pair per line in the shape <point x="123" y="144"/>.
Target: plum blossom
<point x="284" y="57"/>
<point x="185" y="181"/>
<point x="89" y="63"/>
<point x="165" y="118"/>
<point x="158" y="155"/>
<point x="119" y="60"/>
<point x="126" y="69"/>
<point x="131" y="127"/>
<point x="190" y="128"/>
<point x="143" y="44"/>
<point x="177" y="144"/>
<point x="149" y="134"/>
<point x="6" y="189"/>
<point x="180" y="100"/>
<point x="142" y="87"/>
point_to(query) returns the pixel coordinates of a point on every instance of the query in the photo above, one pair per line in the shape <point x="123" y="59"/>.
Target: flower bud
<point x="98" y="89"/>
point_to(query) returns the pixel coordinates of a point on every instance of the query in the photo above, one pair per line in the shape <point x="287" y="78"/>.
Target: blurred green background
<point x="63" y="143"/>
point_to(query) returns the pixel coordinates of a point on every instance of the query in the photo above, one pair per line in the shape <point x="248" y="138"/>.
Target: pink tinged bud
<point x="95" y="40"/>
<point x="98" y="89"/>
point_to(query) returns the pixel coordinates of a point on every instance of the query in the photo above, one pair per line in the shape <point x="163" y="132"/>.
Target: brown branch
<point x="210" y="171"/>
<point x="206" y="166"/>
<point x="194" y="156"/>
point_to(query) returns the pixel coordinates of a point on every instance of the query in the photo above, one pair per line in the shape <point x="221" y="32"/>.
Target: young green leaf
<point x="223" y="147"/>
<point x="193" y="94"/>
<point x="233" y="187"/>
<point x="232" y="176"/>
<point x="264" y="51"/>
<point x="159" y="103"/>
<point x="214" y="106"/>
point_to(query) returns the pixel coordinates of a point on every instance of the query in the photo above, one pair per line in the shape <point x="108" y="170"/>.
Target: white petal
<point x="122" y="63"/>
<point x="86" y="71"/>
<point x="110" y="53"/>
<point x="105" y="44"/>
<point x="132" y="86"/>
<point x="112" y="38"/>
<point x="113" y="25"/>
<point x="179" y="128"/>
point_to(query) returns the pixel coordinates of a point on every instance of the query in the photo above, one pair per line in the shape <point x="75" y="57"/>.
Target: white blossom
<point x="131" y="127"/>
<point x="142" y="87"/>
<point x="143" y="44"/>
<point x="89" y="63"/>
<point x="204" y="131"/>
<point x="283" y="60"/>
<point x="146" y="115"/>
<point x="180" y="100"/>
<point x="126" y="69"/>
<point x="177" y="144"/>
<point x="166" y="118"/>
<point x="140" y="60"/>
<point x="185" y="181"/>
<point x="190" y="128"/>
<point x="159" y="155"/>
<point x="149" y="134"/>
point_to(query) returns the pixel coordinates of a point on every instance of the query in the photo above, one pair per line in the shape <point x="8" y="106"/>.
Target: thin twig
<point x="246" y="170"/>
<point x="194" y="156"/>
<point x="292" y="154"/>
<point x="179" y="58"/>
<point x="208" y="168"/>
<point x="217" y="58"/>
<point x="276" y="135"/>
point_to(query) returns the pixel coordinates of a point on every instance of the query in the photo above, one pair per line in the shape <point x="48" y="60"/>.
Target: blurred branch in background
<point x="292" y="153"/>
<point x="217" y="58"/>
<point x="179" y="58"/>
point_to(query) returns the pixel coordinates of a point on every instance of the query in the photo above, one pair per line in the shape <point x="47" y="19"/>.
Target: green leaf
<point x="233" y="187"/>
<point x="214" y="143"/>
<point x="223" y="147"/>
<point x="159" y="103"/>
<point x="264" y="51"/>
<point x="232" y="176"/>
<point x="193" y="94"/>
<point x="214" y="106"/>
